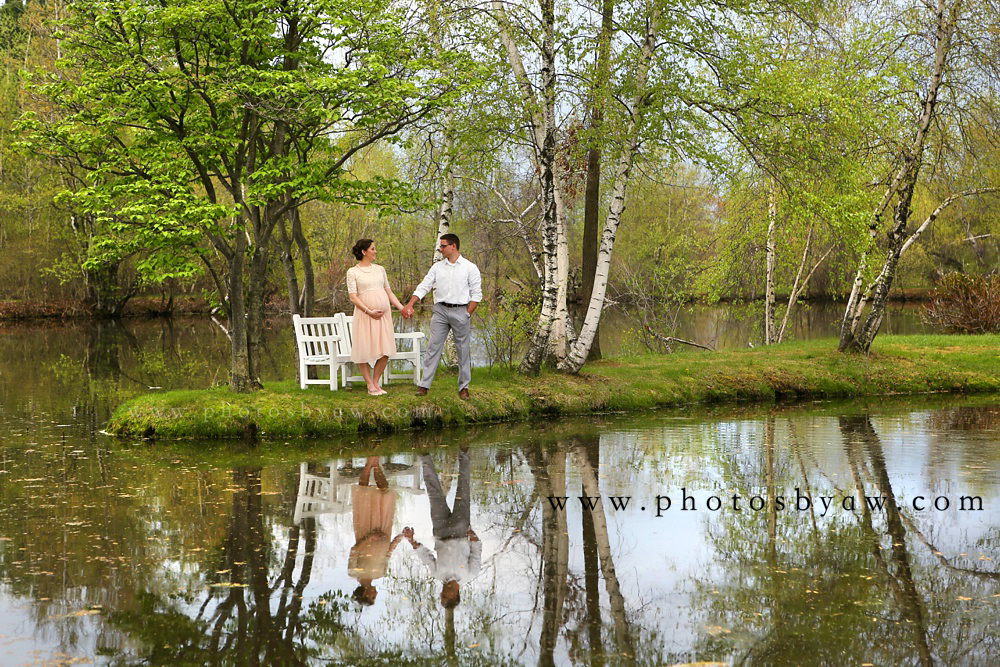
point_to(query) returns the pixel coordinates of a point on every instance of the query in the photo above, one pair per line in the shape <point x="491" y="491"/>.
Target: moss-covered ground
<point x="811" y="369"/>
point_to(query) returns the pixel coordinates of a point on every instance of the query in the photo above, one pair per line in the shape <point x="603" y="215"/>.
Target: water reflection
<point x="785" y="537"/>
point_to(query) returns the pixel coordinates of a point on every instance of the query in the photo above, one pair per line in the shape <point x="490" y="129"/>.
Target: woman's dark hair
<point x="359" y="596"/>
<point x="359" y="248"/>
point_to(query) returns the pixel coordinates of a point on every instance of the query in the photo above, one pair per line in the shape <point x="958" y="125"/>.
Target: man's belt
<point x="452" y="305"/>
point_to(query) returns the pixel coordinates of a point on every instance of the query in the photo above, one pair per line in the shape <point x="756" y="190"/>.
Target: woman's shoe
<point x="377" y="392"/>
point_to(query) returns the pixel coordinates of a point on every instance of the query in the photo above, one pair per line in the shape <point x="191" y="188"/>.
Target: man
<point x="459" y="551"/>
<point x="458" y="290"/>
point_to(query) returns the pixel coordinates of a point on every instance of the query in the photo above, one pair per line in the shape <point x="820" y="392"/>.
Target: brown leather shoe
<point x="464" y="394"/>
<point x="421" y="391"/>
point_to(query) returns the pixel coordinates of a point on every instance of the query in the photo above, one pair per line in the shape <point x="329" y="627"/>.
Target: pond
<point x="819" y="534"/>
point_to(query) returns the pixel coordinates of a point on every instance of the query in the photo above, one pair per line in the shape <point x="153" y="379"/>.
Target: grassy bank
<point x="813" y="369"/>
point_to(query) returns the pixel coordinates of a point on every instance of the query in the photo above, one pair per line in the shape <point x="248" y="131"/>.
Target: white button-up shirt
<point x="458" y="558"/>
<point x="457" y="283"/>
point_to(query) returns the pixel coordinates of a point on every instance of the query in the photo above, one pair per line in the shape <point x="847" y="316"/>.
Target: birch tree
<point x="539" y="109"/>
<point x="937" y="38"/>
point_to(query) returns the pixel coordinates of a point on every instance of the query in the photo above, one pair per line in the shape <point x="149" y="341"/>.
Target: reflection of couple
<point x="459" y="551"/>
<point x="457" y="292"/>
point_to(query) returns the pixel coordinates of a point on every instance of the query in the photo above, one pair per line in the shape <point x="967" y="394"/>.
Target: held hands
<point x="406" y="312"/>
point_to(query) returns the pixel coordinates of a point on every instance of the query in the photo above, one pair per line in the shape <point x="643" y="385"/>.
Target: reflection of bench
<point x="346" y="330"/>
<point x="319" y="344"/>
<point x="331" y="493"/>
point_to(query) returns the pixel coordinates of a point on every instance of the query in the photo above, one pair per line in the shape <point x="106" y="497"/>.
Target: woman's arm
<point x="388" y="291"/>
<point x="393" y="300"/>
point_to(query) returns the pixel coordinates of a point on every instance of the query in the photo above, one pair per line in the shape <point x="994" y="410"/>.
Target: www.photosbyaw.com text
<point x="799" y="502"/>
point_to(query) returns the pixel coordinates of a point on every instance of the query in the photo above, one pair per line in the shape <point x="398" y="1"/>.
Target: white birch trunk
<point x="550" y="331"/>
<point x="800" y="283"/>
<point x="559" y="335"/>
<point x="769" y="262"/>
<point x="857" y="334"/>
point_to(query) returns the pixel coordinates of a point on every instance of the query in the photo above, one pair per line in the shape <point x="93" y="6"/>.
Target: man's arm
<point x="423" y="288"/>
<point x="475" y="289"/>
<point x="475" y="555"/>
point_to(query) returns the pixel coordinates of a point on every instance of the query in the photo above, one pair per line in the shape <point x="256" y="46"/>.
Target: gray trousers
<point x="444" y="319"/>
<point x="446" y="522"/>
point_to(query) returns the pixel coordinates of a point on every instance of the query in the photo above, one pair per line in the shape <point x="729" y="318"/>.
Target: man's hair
<point x="452" y="238"/>
<point x="450" y="602"/>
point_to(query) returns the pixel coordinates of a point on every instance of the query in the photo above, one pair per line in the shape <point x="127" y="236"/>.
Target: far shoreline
<point x="148" y="307"/>
<point x="897" y="365"/>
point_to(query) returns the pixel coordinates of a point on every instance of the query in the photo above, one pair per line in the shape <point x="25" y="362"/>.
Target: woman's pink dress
<point x="373" y="512"/>
<point x="371" y="339"/>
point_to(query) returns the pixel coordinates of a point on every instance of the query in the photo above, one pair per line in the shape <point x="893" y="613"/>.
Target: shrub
<point x="966" y="304"/>
<point x="509" y="321"/>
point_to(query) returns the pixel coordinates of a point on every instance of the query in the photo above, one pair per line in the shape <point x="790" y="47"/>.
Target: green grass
<point x="812" y="369"/>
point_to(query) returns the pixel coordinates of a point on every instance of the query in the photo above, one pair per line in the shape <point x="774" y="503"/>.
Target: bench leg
<point x="418" y="364"/>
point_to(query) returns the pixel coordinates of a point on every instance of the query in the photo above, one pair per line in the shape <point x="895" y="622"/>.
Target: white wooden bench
<point x="326" y="341"/>
<point x="412" y="356"/>
<point x="319" y="344"/>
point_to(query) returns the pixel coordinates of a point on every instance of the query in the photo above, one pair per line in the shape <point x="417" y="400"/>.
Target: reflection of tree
<point x="77" y="535"/>
<point x="591" y="561"/>
<point x="234" y="624"/>
<point x="602" y="542"/>
<point x="924" y="595"/>
<point x="858" y="433"/>
<point x="564" y="610"/>
<point x="787" y="589"/>
<point x="549" y="468"/>
<point x="795" y="586"/>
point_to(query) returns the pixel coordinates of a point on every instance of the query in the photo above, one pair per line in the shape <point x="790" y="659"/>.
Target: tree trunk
<point x="288" y="267"/>
<point x="581" y="348"/>
<point x="770" y="336"/>
<point x="240" y="380"/>
<point x="307" y="302"/>
<point x="857" y="335"/>
<point x="592" y="196"/>
<point x="549" y="337"/>
<point x="447" y="188"/>
<point x="540" y="341"/>
<point x="256" y="293"/>
<point x="561" y="326"/>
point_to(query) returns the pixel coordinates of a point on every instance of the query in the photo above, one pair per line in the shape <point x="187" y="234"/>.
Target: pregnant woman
<point x="373" y="339"/>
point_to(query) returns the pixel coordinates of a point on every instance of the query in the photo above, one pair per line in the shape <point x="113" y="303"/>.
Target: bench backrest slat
<point x="315" y="335"/>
